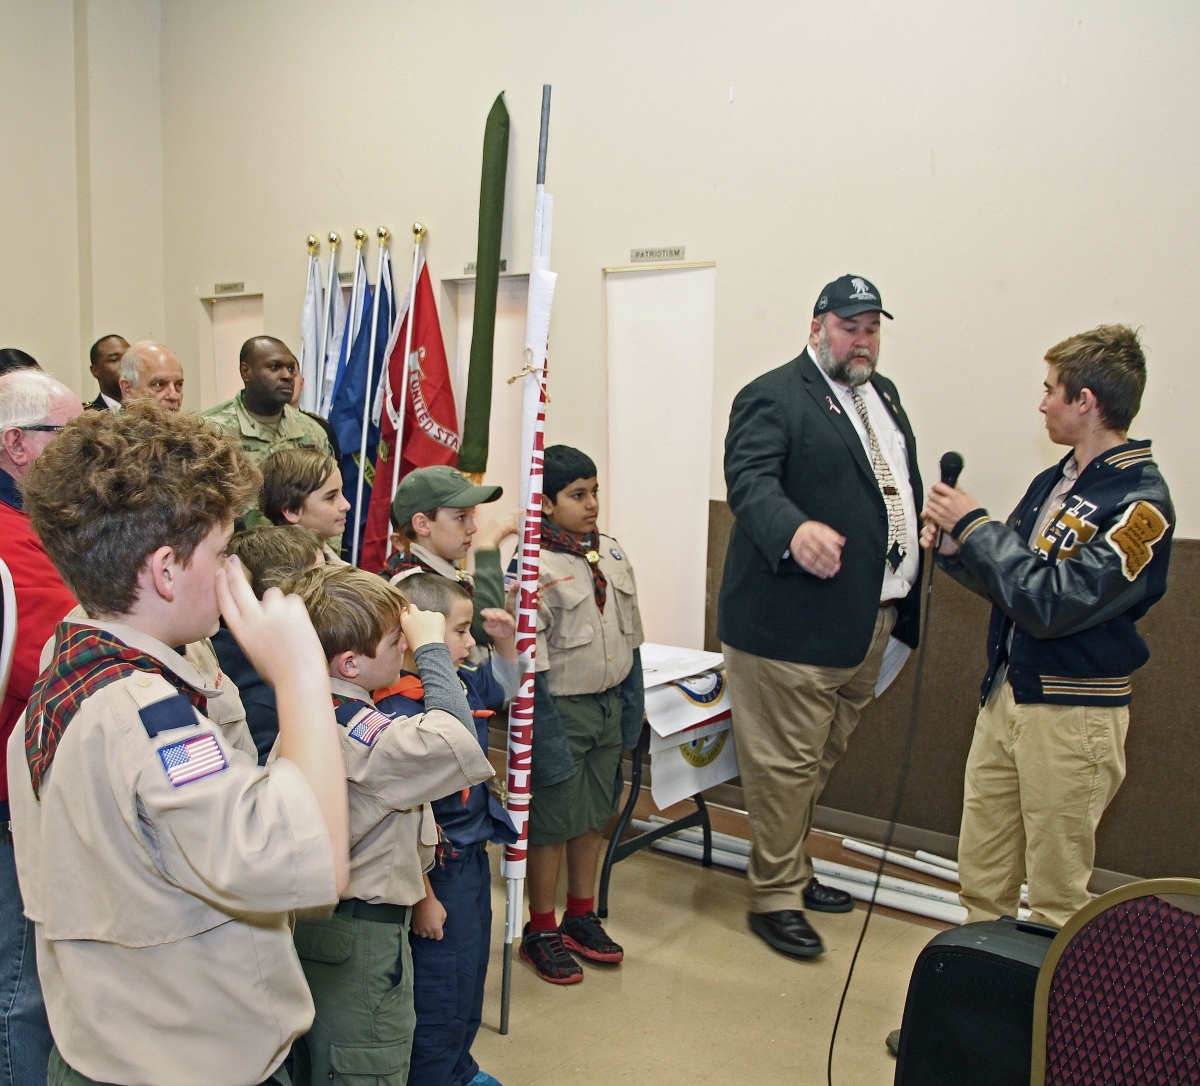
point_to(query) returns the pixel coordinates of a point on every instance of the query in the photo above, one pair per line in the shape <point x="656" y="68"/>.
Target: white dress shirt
<point x="897" y="583"/>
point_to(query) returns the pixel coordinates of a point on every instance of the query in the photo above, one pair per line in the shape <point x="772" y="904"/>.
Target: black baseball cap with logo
<point x="849" y="296"/>
<point x="431" y="488"/>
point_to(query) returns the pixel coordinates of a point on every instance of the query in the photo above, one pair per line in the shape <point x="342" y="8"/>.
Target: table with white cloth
<point x="686" y="732"/>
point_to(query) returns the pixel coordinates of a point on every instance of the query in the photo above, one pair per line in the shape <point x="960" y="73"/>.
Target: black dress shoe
<point x="825" y="899"/>
<point x="788" y="932"/>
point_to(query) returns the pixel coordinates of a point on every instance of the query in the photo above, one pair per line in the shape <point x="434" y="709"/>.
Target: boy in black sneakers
<point x="452" y="924"/>
<point x="588" y="707"/>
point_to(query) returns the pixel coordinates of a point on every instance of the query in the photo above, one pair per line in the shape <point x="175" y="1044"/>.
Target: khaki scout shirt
<point x="390" y="783"/>
<point x="161" y="909"/>
<point x="585" y="651"/>
<point x="296" y="430"/>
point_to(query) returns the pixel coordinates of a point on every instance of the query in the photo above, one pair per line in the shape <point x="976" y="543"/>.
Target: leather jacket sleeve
<point x="1046" y="599"/>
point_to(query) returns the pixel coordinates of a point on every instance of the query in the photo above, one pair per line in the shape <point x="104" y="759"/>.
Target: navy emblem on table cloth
<point x="192" y="759"/>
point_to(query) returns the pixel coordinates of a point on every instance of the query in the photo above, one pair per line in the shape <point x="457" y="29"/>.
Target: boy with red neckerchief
<point x="588" y="707"/>
<point x="163" y="940"/>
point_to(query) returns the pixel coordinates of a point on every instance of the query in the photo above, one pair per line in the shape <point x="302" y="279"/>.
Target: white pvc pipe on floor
<point x="862" y="891"/>
<point x="937" y="861"/>
<point x="824" y="868"/>
<point x="900" y="860"/>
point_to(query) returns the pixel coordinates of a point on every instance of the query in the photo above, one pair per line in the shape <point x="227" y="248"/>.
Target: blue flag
<point x="346" y="415"/>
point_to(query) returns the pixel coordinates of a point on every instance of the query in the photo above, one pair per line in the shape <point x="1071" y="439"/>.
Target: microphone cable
<point x="951" y="466"/>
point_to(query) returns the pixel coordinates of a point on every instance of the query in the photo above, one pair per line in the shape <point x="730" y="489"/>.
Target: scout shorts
<point x="591" y="797"/>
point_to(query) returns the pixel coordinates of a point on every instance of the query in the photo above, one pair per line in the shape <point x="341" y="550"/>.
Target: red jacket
<point x="42" y="601"/>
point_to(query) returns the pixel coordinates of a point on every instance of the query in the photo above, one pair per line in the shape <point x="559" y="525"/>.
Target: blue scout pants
<point x="24" y="1032"/>
<point x="448" y="974"/>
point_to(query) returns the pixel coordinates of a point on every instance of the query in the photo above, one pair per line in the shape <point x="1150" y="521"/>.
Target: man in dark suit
<point x="823" y="567"/>
<point x="106" y="355"/>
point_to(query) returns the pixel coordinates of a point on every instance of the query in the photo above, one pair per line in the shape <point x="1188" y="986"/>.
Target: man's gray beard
<point x="842" y="371"/>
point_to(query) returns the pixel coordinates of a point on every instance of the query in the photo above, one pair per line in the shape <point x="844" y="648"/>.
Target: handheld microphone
<point x="951" y="465"/>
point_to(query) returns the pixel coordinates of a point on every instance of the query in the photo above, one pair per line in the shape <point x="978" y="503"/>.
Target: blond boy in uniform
<point x="158" y="861"/>
<point x="358" y="961"/>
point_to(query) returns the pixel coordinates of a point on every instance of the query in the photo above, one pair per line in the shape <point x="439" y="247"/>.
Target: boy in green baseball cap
<point x="433" y="513"/>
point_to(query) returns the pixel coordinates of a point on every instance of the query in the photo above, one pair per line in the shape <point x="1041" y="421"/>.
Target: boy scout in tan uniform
<point x="359" y="962"/>
<point x="588" y="707"/>
<point x="157" y="860"/>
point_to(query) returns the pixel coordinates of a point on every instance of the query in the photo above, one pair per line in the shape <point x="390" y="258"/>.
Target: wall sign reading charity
<point x="687" y="705"/>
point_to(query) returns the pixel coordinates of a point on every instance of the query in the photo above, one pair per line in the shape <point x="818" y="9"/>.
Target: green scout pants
<point x="60" y="1073"/>
<point x="587" y="800"/>
<point x="360" y="973"/>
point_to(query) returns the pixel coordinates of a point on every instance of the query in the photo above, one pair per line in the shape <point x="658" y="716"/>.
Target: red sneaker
<point x="584" y="935"/>
<point x="544" y="950"/>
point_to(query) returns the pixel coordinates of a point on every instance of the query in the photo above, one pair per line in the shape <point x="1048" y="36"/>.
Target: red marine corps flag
<point x="417" y="400"/>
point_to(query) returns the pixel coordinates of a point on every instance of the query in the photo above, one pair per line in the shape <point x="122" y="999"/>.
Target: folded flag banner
<point x="477" y="411"/>
<point x="351" y="404"/>
<point x="333" y="323"/>
<point x="359" y="311"/>
<point x="311" y="327"/>
<point x="418" y="412"/>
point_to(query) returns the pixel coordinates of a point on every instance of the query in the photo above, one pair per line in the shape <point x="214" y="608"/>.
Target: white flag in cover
<point x="333" y="349"/>
<point x="310" y="334"/>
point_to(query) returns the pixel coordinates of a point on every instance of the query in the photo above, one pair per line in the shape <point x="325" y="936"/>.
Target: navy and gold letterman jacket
<point x="1071" y="597"/>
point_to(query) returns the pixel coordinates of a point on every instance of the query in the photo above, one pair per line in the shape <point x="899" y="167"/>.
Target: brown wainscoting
<point x="1152" y="828"/>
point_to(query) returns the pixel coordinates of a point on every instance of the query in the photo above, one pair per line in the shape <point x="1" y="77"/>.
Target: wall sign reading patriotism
<point x="647" y="256"/>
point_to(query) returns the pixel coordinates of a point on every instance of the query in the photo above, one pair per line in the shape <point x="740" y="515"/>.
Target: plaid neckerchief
<point x="85" y="660"/>
<point x="404" y="561"/>
<point x="588" y="548"/>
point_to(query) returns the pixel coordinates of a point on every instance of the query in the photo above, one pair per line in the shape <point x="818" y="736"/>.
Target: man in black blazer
<point x="823" y="567"/>
<point x="105" y="356"/>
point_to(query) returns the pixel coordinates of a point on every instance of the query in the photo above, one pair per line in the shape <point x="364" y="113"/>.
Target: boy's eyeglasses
<point x="43" y="428"/>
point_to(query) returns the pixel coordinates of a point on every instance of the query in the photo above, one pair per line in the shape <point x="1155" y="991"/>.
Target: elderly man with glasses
<point x="33" y="408"/>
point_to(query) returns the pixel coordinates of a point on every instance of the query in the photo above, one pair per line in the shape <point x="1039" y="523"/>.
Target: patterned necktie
<point x="897" y="531"/>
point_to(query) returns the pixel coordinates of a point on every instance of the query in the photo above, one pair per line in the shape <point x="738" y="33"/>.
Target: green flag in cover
<point x="473" y="452"/>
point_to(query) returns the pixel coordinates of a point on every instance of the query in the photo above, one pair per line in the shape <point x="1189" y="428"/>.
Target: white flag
<point x="310" y="334"/>
<point x="333" y="348"/>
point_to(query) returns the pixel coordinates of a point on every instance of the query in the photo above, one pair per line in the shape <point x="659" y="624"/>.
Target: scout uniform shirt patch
<point x="192" y="759"/>
<point x="1134" y="535"/>
<point x="370" y="727"/>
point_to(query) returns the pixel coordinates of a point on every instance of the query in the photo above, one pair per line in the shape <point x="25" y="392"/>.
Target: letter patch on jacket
<point x="1069" y="528"/>
<point x="1134" y="536"/>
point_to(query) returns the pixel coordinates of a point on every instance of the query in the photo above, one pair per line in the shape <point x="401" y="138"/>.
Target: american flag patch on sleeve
<point x="370" y="727"/>
<point x="192" y="759"/>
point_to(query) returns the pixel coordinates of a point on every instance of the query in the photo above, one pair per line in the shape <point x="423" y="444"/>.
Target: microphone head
<point x="952" y="465"/>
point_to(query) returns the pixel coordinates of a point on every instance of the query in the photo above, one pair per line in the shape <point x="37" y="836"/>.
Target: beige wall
<point x="80" y="178"/>
<point x="39" y="280"/>
<point x="1008" y="174"/>
<point x="126" y="179"/>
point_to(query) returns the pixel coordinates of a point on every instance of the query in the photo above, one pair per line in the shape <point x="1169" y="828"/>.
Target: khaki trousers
<point x="791" y="723"/>
<point x="1038" y="779"/>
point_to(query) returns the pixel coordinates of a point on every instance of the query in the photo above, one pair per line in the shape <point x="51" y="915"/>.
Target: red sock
<point x="542" y="921"/>
<point x="578" y="906"/>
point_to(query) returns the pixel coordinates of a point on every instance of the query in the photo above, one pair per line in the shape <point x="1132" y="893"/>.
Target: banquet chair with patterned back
<point x="1118" y="995"/>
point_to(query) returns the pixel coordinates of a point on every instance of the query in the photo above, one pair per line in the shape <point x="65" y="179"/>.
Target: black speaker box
<point x="968" y="1019"/>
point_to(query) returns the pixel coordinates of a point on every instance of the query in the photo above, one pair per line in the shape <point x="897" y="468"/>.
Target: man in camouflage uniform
<point x="260" y="417"/>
